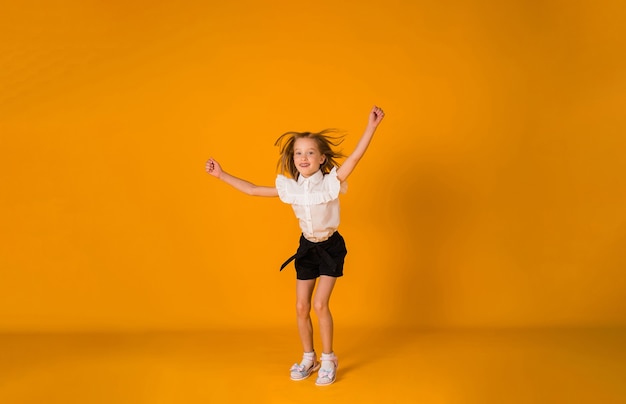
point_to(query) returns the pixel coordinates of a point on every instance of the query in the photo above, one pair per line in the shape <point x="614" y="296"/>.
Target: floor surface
<point x="375" y="366"/>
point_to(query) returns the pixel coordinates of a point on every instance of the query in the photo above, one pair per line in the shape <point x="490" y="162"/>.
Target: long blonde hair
<point x="325" y="140"/>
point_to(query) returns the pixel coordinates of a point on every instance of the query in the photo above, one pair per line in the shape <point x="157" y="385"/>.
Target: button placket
<point x="307" y="208"/>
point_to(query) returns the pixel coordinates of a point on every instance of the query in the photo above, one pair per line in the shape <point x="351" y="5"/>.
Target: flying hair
<point x="326" y="140"/>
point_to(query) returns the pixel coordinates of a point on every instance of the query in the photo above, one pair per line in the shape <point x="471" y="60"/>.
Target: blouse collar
<point x="313" y="179"/>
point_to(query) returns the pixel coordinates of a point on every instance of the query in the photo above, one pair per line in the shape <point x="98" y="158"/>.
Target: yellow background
<point x="492" y="195"/>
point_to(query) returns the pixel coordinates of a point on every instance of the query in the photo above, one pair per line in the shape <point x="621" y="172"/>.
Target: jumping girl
<point x="310" y="180"/>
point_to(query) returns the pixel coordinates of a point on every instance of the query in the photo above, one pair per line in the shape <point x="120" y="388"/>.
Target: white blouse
<point x="315" y="201"/>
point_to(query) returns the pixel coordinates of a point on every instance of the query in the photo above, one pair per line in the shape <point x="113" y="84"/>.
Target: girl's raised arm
<point x="376" y="115"/>
<point x="213" y="167"/>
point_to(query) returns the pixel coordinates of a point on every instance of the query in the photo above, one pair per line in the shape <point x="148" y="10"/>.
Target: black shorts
<point x="323" y="258"/>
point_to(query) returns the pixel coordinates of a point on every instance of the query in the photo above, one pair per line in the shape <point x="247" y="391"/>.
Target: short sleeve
<point x="285" y="188"/>
<point x="334" y="186"/>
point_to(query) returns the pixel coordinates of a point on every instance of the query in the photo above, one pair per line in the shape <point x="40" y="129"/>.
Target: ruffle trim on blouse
<point x="289" y="191"/>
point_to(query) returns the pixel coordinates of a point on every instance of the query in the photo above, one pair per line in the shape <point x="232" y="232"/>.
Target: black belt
<point x="306" y="246"/>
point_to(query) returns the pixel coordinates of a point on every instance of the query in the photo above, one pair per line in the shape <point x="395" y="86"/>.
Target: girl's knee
<point x="321" y="307"/>
<point x="303" y="309"/>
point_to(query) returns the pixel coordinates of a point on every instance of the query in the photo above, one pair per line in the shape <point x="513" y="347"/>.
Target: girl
<point x="312" y="188"/>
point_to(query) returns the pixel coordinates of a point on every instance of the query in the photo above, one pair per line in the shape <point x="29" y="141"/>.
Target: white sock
<point x="307" y="359"/>
<point x="327" y="361"/>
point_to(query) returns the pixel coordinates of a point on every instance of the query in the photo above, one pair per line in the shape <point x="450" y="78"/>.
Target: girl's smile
<point x="307" y="156"/>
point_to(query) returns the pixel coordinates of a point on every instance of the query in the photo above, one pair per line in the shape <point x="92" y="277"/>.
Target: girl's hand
<point x="213" y="167"/>
<point x="376" y="115"/>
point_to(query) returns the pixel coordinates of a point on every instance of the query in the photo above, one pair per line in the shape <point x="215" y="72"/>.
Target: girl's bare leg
<point x="304" y="291"/>
<point x="322" y="310"/>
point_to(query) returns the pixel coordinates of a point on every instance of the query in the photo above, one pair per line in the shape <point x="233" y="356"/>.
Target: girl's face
<point x="307" y="156"/>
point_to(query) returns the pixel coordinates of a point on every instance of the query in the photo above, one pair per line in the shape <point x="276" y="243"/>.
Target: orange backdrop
<point x="492" y="195"/>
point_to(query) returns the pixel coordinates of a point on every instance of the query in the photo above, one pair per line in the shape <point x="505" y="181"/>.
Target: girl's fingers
<point x="210" y="166"/>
